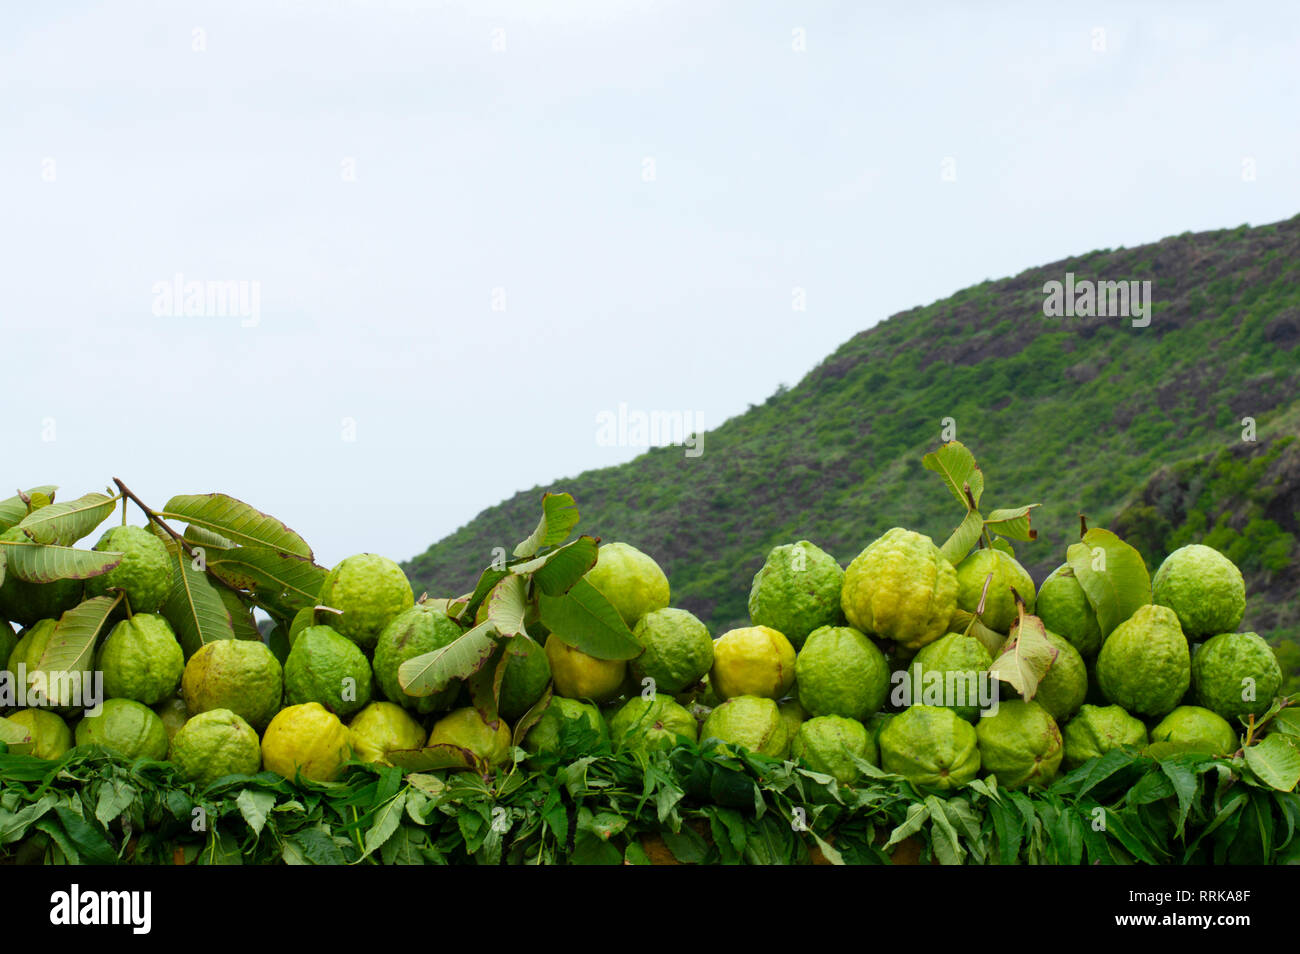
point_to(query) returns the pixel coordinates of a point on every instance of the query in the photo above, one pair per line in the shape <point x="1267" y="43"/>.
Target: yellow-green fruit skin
<point x="1236" y="674"/>
<point x="544" y="737"/>
<point x="51" y="737"/>
<point x="1203" y="587"/>
<point x="1000" y="611"/>
<point x="381" y="728"/>
<point x="1021" y="744"/>
<point x="129" y="728"/>
<point x="752" y="722"/>
<point x="931" y="747"/>
<point x="235" y="674"/>
<point x="1064" y="686"/>
<point x="829" y="744"/>
<point x="325" y="667"/>
<point x="141" y="660"/>
<point x="677" y="650"/>
<point x="1194" y="729"/>
<point x="901" y="588"/>
<point x="145" y="573"/>
<point x="796" y="591"/>
<point x="839" y="672"/>
<point x="306" y="738"/>
<point x="422" y="629"/>
<point x="466" y="729"/>
<point x="1096" y="730"/>
<point x="632" y="581"/>
<point x="371" y="591"/>
<point x="655" y="723"/>
<point x="215" y="744"/>
<point x="1145" y="664"/>
<point x="947" y="673"/>
<point x="576" y="675"/>
<point x="1064" y="609"/>
<point x="752" y="661"/>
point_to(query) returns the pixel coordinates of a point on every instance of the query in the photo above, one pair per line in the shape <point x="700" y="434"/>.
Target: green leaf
<point x="195" y="609"/>
<point x="63" y="524"/>
<point x="240" y="611"/>
<point x="44" y="564"/>
<point x="1026" y="657"/>
<point x="1113" y="575"/>
<point x="507" y="605"/>
<point x="956" y="465"/>
<point x="485" y="686"/>
<point x="282" y="582"/>
<point x="1287" y="721"/>
<point x="16" y="737"/>
<point x="585" y="619"/>
<point x="966" y="535"/>
<point x="387" y="817"/>
<point x="13" y="509"/>
<point x="428" y="673"/>
<point x="71" y="648"/>
<point x="1183" y="780"/>
<point x="1276" y="761"/>
<point x="556" y="572"/>
<point x="531" y="717"/>
<point x="237" y="521"/>
<point x="487" y="581"/>
<point x="255" y="805"/>
<point x="431" y="758"/>
<point x="559" y="517"/>
<point x="1013" y="523"/>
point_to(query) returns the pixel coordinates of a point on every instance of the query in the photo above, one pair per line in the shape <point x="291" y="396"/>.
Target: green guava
<point x="630" y="580"/>
<point x="947" y="673"/>
<point x="1064" y="609"/>
<point x="1000" y="611"/>
<point x="235" y="674"/>
<point x="796" y="591"/>
<point x="900" y="588"/>
<point x="1236" y="674"/>
<point x="215" y="744"/>
<point x="1095" y="730"/>
<point x="548" y="735"/>
<point x="51" y="737"/>
<point x="141" y="660"/>
<point x="655" y="723"/>
<point x="1020" y="744"/>
<point x="466" y="729"/>
<point x="677" y="653"/>
<point x="173" y="713"/>
<point x="1064" y="686"/>
<point x="1203" y="587"/>
<point x="145" y="573"/>
<point x="129" y="728"/>
<point x="381" y="728"/>
<point x="829" y="744"/>
<point x="931" y="747"/>
<point x="414" y="632"/>
<point x="1145" y="664"/>
<point x="751" y="722"/>
<point x="840" y="672"/>
<point x="371" y="591"/>
<point x="793" y="714"/>
<point x="329" y="669"/>
<point x="528" y="673"/>
<point x="578" y="675"/>
<point x="1193" y="729"/>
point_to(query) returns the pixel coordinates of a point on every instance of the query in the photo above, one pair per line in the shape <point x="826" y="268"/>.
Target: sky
<point x="465" y="233"/>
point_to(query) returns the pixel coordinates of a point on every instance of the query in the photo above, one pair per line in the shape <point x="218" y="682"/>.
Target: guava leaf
<point x="584" y="619"/>
<point x="72" y="644"/>
<point x="4" y="562"/>
<point x="18" y="739"/>
<point x="208" y="539"/>
<point x="426" y="674"/>
<point x="236" y="521"/>
<point x="1276" y="761"/>
<point x="966" y="535"/>
<point x="956" y="465"/>
<point x="63" y="524"/>
<point x="559" y="517"/>
<point x="485" y="687"/>
<point x="556" y="572"/>
<point x="1026" y="657"/>
<point x="43" y="563"/>
<point x="508" y="604"/>
<point x="241" y="614"/>
<point x="487" y="580"/>
<point x="284" y="582"/>
<point x="432" y="757"/>
<point x="1113" y="575"/>
<point x="1003" y="544"/>
<point x="1012" y="523"/>
<point x="531" y="717"/>
<point x="14" y="509"/>
<point x="195" y="609"/>
<point x="970" y="625"/>
<point x="1287" y="721"/>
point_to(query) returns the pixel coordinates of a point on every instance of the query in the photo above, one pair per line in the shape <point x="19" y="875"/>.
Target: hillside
<point x="1081" y="414"/>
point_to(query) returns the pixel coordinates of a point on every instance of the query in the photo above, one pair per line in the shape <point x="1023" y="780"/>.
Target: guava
<point x="305" y="738"/>
<point x="303" y="619"/>
<point x="1193" y="729"/>
<point x="931" y="747"/>
<point x="1095" y="730"/>
<point x="1000" y="611"/>
<point x="677" y="653"/>
<point x="900" y="588"/>
<point x="235" y="674"/>
<point x="528" y="673"/>
<point x="371" y="591"/>
<point x="1064" y="687"/>
<point x="576" y="675"/>
<point x="141" y="660"/>
<point x="1145" y="665"/>
<point x="840" y="672"/>
<point x="173" y="713"/>
<point x="466" y="729"/>
<point x="215" y="744"/>
<point x="383" y="727"/>
<point x="1020" y="744"/>
<point x="630" y="580"/>
<point x="796" y="591"/>
<point x="752" y="661"/>
<point x="947" y="673"/>
<point x="1203" y="587"/>
<point x="793" y="714"/>
<point x="752" y="722"/>
<point x="145" y="573"/>
<point x="1064" y="609"/>
<point x="1236" y="674"/>
<point x="51" y="737"/>
<point x="27" y="603"/>
<point x="829" y="744"/>
<point x="547" y="735"/>
<point x="8" y="640"/>
<point x="129" y="728"/>
<point x="327" y="668"/>
<point x="26" y="657"/>
<point x="656" y="723"/>
<point x="414" y="632"/>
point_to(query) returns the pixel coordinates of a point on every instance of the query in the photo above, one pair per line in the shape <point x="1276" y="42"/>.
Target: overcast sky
<point x="473" y="227"/>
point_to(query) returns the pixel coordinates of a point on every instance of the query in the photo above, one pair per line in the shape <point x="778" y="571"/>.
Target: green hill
<point x="1085" y="415"/>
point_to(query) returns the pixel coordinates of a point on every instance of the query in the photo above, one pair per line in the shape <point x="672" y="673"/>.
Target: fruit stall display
<point x="928" y="703"/>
